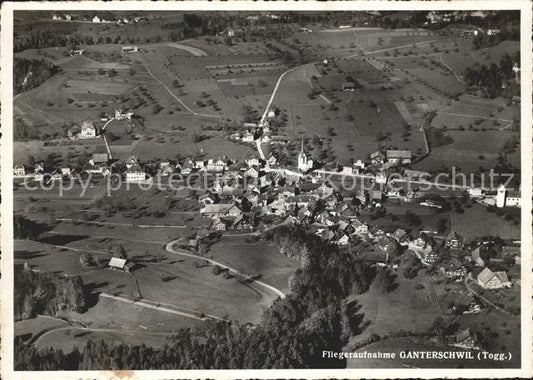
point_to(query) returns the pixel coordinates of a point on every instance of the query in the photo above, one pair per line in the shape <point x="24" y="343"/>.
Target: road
<point x="178" y="99"/>
<point x="121" y="224"/>
<point x="170" y="248"/>
<point x="157" y="306"/>
<point x="276" y="87"/>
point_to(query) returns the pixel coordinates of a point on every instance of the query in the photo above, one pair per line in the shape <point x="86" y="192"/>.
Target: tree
<point x="118" y="250"/>
<point x="86" y="260"/>
<point x="383" y="280"/>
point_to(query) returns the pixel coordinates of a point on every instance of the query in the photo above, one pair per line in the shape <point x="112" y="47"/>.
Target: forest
<point x="29" y="73"/>
<point x="315" y="316"/>
<point x="39" y="293"/>
<point x="491" y="79"/>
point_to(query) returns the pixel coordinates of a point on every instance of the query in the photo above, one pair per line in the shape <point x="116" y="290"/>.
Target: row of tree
<point x="293" y="332"/>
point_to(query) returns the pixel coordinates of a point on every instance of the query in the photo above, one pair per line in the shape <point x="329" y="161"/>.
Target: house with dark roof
<point x="396" y="157"/>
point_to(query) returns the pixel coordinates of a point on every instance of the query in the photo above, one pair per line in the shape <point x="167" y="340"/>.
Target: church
<point x="304" y="164"/>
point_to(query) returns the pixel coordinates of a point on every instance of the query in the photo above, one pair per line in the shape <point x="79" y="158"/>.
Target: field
<point x="264" y="260"/>
<point x="405" y="308"/>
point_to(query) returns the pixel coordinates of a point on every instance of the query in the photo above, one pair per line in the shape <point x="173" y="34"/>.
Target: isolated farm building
<point x="493" y="32"/>
<point x="119" y="115"/>
<point x="488" y="279"/>
<point x="348" y="86"/>
<point x="19" y="171"/>
<point x="117" y="263"/>
<point x="399" y="156"/>
<point x="74" y="52"/>
<point x="130" y="49"/>
<point x="87" y="130"/>
<point x="96" y="19"/>
<point x="135" y="174"/>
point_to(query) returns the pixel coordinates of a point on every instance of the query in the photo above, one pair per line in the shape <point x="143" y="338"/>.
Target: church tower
<point x="500" y="197"/>
<point x="302" y="159"/>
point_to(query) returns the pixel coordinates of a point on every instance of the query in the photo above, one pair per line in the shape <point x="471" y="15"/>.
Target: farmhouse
<point x="488" y="279"/>
<point x="466" y="304"/>
<point x="216" y="165"/>
<point x="135" y="174"/>
<point x="248" y="137"/>
<point x="220" y="210"/>
<point x="99" y="159"/>
<point x="348" y="86"/>
<point x="87" y="130"/>
<point x="119" y="115"/>
<point x="19" y="171"/>
<point x="117" y="263"/>
<point x="74" y="52"/>
<point x="130" y="49"/>
<point x="377" y="158"/>
<point x="454" y="241"/>
<point x="399" y="156"/>
<point x="462" y="339"/>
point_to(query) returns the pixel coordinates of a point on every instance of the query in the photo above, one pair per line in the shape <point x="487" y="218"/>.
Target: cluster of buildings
<point x="502" y="198"/>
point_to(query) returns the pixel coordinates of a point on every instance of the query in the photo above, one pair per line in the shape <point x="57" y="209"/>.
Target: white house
<point x="87" y="130"/>
<point x="248" y="137"/>
<point x="135" y="174"/>
<point x="96" y="19"/>
<point x="130" y="49"/>
<point x="19" y="171"/>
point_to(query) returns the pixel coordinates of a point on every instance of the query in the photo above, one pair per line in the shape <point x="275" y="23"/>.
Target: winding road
<point x="170" y="248"/>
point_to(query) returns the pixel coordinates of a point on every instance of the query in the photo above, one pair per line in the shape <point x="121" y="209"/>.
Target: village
<point x="258" y="194"/>
<point x="189" y="171"/>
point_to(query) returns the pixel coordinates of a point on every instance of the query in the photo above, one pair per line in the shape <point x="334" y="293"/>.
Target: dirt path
<point x="178" y="99"/>
<point x="122" y="224"/>
<point x="449" y="68"/>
